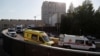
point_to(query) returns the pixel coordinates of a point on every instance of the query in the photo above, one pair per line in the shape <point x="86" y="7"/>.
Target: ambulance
<point x="77" y="42"/>
<point x="12" y="32"/>
<point x="38" y="37"/>
<point x="19" y="28"/>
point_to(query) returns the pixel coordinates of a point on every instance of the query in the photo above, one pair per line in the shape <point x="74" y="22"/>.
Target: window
<point x="61" y="39"/>
<point x="5" y="25"/>
<point x="41" y="39"/>
<point x="79" y="41"/>
<point x="18" y="27"/>
<point x="34" y="37"/>
<point x="89" y="43"/>
<point x="45" y="38"/>
<point x="11" y="30"/>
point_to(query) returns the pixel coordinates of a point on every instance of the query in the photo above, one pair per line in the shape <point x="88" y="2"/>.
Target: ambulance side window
<point x="41" y="39"/>
<point x="34" y="37"/>
<point x="61" y="39"/>
<point x="79" y="41"/>
<point x="89" y="43"/>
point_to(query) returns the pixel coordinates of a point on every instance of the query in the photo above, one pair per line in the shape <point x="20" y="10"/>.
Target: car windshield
<point x="13" y="33"/>
<point x="11" y="30"/>
<point x="18" y="27"/>
<point x="45" y="38"/>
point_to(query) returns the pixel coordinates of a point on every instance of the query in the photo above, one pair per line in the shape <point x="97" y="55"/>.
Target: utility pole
<point x="35" y="20"/>
<point x="80" y="32"/>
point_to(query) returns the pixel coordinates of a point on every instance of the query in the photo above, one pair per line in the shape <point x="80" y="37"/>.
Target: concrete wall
<point x="21" y="48"/>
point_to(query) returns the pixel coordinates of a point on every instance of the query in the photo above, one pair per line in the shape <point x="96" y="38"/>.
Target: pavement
<point x="2" y="52"/>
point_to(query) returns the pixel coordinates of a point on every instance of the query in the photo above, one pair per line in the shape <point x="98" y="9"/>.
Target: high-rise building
<point x="51" y="8"/>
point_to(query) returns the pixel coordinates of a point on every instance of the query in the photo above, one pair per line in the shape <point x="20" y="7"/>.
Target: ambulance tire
<point x="91" y="49"/>
<point x="66" y="46"/>
<point x="53" y="45"/>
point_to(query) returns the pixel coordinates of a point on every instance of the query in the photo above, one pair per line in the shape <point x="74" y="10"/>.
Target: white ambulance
<point x="12" y="32"/>
<point x="19" y="28"/>
<point x="77" y="42"/>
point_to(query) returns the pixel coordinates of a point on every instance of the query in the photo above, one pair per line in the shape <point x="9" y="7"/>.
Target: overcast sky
<point x="27" y="9"/>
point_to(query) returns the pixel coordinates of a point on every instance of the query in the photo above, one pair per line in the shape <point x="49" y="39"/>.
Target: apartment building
<point x="51" y="8"/>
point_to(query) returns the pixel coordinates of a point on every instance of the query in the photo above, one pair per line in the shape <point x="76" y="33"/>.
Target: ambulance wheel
<point x="68" y="47"/>
<point x="53" y="45"/>
<point x="91" y="49"/>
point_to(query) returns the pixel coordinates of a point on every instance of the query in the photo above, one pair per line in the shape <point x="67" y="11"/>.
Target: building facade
<point x="55" y="19"/>
<point x="51" y="8"/>
<point x="12" y="23"/>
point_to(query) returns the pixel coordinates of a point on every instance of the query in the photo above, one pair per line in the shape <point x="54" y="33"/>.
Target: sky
<point x="27" y="9"/>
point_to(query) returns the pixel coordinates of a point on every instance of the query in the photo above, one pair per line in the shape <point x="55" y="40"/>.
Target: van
<point x="12" y="32"/>
<point x="38" y="37"/>
<point x="77" y="42"/>
<point x="19" y="28"/>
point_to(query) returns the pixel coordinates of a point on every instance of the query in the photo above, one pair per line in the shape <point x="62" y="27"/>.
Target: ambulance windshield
<point x="45" y="38"/>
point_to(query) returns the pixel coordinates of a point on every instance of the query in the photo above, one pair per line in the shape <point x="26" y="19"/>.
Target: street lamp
<point x="80" y="31"/>
<point x="35" y="19"/>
